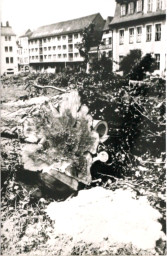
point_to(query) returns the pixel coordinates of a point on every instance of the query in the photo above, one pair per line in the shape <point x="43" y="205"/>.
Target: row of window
<point x="21" y="60"/>
<point x="139" y="34"/>
<point x="53" y="56"/>
<point x="9" y="60"/>
<point x="107" y="54"/>
<point x="131" y="7"/>
<point x="8" y="48"/>
<point x="59" y="47"/>
<point x="58" y="38"/>
<point x="107" y="41"/>
<point x="156" y="56"/>
<point x="7" y="38"/>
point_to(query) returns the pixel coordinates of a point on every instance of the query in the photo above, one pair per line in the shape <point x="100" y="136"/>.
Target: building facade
<point x="106" y="48"/>
<point x="140" y="24"/>
<point x="23" y="51"/>
<point x="9" y="65"/>
<point x="55" y="46"/>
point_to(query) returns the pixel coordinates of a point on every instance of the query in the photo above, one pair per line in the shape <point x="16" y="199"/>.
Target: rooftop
<point x="118" y="20"/>
<point x="64" y="27"/>
<point x="7" y="30"/>
<point x="108" y="21"/>
<point x="28" y="33"/>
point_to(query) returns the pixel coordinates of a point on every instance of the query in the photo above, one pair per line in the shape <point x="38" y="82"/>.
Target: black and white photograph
<point x="83" y="127"/>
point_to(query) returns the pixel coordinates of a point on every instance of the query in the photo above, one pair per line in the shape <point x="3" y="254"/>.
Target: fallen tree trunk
<point x="56" y="138"/>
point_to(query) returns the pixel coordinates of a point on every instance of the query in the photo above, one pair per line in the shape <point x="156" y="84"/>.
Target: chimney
<point x="7" y="24"/>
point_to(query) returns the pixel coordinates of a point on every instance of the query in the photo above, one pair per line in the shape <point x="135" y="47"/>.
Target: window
<point x="149" y="5"/>
<point x="59" y="47"/>
<point x="10" y="48"/>
<point x="75" y="36"/>
<point x="45" y="48"/>
<point x="45" y="56"/>
<point x="157" y="32"/>
<point x="58" y="38"/>
<point x="36" y="57"/>
<point x="110" y="40"/>
<point x="49" y="48"/>
<point x="121" y="36"/>
<point x="11" y="59"/>
<point x="44" y="40"/>
<point x="104" y="54"/>
<point x="36" y="49"/>
<point x="49" y="57"/>
<point x="148" y="33"/>
<point x="64" y="55"/>
<point x="6" y="49"/>
<point x="110" y="54"/>
<point x="123" y="9"/>
<point x="7" y="60"/>
<point x="131" y="8"/>
<point x="64" y="37"/>
<point x="120" y="58"/>
<point x="104" y="41"/>
<point x="49" y="39"/>
<point x="33" y="57"/>
<point x="54" y="48"/>
<point x="64" y="47"/>
<point x="59" y="56"/>
<point x="159" y="4"/>
<point x="139" y="34"/>
<point x="76" y="55"/>
<point x="157" y="57"/>
<point x="54" y="55"/>
<point x="139" y="5"/>
<point x="131" y="35"/>
<point x="7" y="38"/>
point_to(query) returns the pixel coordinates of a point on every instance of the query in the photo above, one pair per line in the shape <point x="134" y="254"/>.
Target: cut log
<point x="101" y="128"/>
<point x="58" y="139"/>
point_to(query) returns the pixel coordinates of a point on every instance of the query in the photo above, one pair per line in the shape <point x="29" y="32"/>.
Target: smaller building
<point x="105" y="47"/>
<point x="23" y="51"/>
<point x="9" y="64"/>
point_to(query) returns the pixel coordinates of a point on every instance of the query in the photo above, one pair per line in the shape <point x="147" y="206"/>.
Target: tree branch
<point x="49" y="86"/>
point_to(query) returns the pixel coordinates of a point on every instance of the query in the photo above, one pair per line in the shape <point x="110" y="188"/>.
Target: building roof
<point x="119" y="20"/>
<point x="108" y="21"/>
<point x="7" y="31"/>
<point x="64" y="27"/>
<point x="28" y="33"/>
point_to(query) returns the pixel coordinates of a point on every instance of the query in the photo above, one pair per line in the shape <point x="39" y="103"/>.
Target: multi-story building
<point x="55" y="45"/>
<point x="8" y="48"/>
<point x="23" y="51"/>
<point x="105" y="44"/>
<point x="140" y="24"/>
<point x="106" y="48"/>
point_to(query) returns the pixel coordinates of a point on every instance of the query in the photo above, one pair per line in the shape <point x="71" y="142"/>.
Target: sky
<point x="30" y="14"/>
